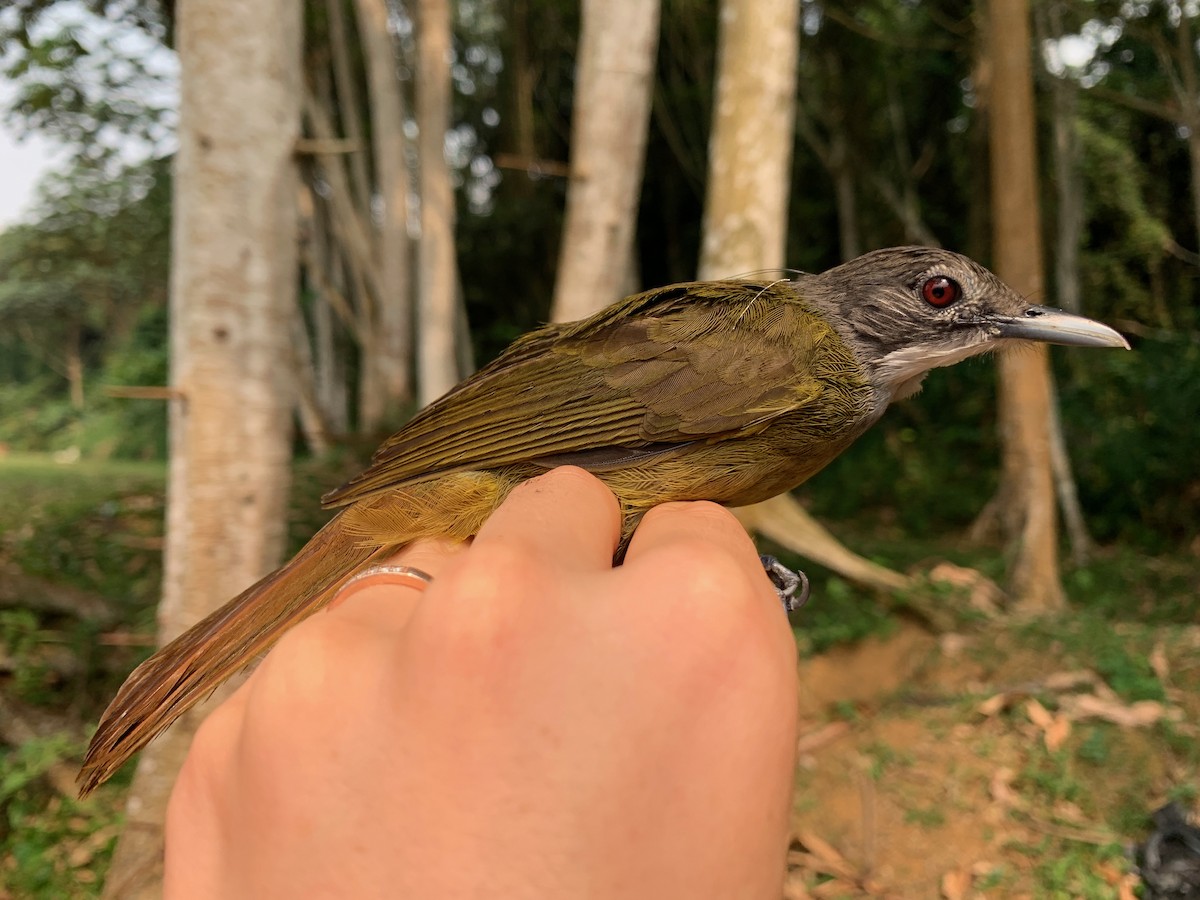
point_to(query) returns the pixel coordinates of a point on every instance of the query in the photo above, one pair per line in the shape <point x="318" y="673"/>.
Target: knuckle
<point x="703" y="513"/>
<point x="494" y="572"/>
<point x="489" y="595"/>
<point x="582" y="486"/>
<point x="725" y="624"/>
<point x="571" y="477"/>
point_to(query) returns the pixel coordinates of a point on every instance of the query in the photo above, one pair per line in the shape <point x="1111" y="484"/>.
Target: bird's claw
<point x="791" y="585"/>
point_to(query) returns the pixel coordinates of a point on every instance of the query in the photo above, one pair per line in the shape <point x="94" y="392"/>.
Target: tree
<point x="1024" y="506"/>
<point x="388" y="349"/>
<point x="437" y="270"/>
<point x="745" y="215"/>
<point x="232" y="294"/>
<point x="609" y="123"/>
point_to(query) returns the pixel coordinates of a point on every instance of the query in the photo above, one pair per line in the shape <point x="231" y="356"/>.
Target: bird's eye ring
<point x="940" y="291"/>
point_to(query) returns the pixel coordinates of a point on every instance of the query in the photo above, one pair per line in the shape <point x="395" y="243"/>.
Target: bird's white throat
<point x="903" y="370"/>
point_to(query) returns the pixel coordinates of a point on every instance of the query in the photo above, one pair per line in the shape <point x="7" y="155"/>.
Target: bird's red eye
<point x="940" y="291"/>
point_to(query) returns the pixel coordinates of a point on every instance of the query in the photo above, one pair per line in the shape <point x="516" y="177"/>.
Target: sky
<point x="24" y="160"/>
<point x="21" y="165"/>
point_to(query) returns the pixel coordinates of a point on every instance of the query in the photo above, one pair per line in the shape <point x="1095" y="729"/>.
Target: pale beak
<point x="1054" y="326"/>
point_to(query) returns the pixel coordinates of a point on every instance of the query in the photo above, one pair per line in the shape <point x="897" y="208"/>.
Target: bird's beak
<point x="1054" y="326"/>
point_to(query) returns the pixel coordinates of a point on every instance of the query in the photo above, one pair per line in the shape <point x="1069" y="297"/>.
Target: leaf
<point x="1038" y="714"/>
<point x="995" y="704"/>
<point x="1159" y="664"/>
<point x="956" y="883"/>
<point x="830" y="859"/>
<point x="1000" y="787"/>
<point x="811" y="741"/>
<point x="795" y="888"/>
<point x="1056" y="734"/>
<point x="1141" y="714"/>
<point x="1069" y="681"/>
<point x="1126" y="889"/>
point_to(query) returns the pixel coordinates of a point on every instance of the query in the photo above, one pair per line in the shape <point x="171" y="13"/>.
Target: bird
<point x="732" y="391"/>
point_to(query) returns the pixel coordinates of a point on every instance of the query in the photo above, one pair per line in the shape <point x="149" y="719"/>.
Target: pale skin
<point x="535" y="724"/>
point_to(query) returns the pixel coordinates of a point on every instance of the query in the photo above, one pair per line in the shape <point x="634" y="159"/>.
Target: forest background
<point x="888" y="143"/>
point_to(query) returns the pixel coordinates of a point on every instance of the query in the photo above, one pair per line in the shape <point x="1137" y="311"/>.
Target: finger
<point x="701" y="535"/>
<point x="717" y="612"/>
<point x="385" y="602"/>
<point x="566" y="518"/>
<point x="695" y="520"/>
<point x="367" y="612"/>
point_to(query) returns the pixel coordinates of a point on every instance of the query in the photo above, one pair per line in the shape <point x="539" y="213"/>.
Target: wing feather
<point x="650" y="373"/>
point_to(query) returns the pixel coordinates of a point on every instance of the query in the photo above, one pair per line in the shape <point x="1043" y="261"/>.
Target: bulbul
<point x="731" y="391"/>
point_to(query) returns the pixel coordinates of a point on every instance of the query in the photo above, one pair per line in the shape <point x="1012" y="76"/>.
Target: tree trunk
<point x="745" y="216"/>
<point x="233" y="286"/>
<point x="437" y="266"/>
<point x="75" y="365"/>
<point x="391" y="352"/>
<point x="1188" y="92"/>
<point x="304" y="376"/>
<point x="1068" y="231"/>
<point x="1068" y="236"/>
<point x="328" y="360"/>
<point x="348" y="103"/>
<point x="745" y="210"/>
<point x="849" y="245"/>
<point x="613" y="85"/>
<point x="1026" y="495"/>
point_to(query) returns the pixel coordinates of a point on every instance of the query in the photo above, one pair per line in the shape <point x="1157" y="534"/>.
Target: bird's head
<point x="906" y="310"/>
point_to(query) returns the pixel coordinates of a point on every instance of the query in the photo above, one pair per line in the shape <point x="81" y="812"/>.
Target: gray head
<point x="906" y="310"/>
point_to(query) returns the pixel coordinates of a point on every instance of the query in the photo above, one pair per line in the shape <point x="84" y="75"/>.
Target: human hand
<point x="535" y="724"/>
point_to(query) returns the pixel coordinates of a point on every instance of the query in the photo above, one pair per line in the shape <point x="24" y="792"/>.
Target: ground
<point x="990" y="764"/>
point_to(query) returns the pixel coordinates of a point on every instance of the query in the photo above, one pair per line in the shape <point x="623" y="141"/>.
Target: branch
<point x="1166" y="111"/>
<point x="354" y="234"/>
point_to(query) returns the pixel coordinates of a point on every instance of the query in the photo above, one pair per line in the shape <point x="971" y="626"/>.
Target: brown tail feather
<point x="189" y="668"/>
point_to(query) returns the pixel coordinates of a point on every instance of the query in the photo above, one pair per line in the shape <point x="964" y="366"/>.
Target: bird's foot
<point x="791" y="586"/>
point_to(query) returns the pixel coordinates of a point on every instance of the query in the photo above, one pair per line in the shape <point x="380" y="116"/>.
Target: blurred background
<point x="954" y="747"/>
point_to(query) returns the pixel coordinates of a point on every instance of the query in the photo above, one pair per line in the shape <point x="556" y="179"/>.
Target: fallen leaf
<point x="1067" y="811"/>
<point x="795" y="888"/>
<point x="1110" y="873"/>
<point x="1057" y="732"/>
<point x="1038" y="714"/>
<point x="994" y="704"/>
<point x="952" y="645"/>
<point x="1126" y="889"/>
<point x="833" y="862"/>
<point x="1159" y="663"/>
<point x="835" y="888"/>
<point x="983" y="594"/>
<point x="956" y="883"/>
<point x="1000" y="787"/>
<point x="826" y="734"/>
<point x="1134" y="715"/>
<point x="1069" y="681"/>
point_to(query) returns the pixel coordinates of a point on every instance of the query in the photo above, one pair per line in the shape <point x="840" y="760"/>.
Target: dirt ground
<point x="963" y="767"/>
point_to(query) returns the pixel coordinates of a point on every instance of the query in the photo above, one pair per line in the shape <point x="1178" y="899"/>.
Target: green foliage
<point x="115" y="510"/>
<point x="1118" y="653"/>
<point x="837" y="614"/>
<point x="1132" y="426"/>
<point x="91" y="527"/>
<point x="88" y="75"/>
<point x="86" y="285"/>
<point x="52" y="846"/>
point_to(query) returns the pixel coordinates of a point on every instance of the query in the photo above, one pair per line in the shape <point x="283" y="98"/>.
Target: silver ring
<point x="408" y="576"/>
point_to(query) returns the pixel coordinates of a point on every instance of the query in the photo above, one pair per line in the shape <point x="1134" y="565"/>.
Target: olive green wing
<point x="658" y="371"/>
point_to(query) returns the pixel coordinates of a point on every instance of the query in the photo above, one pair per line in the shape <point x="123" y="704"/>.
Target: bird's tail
<point x="189" y="668"/>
